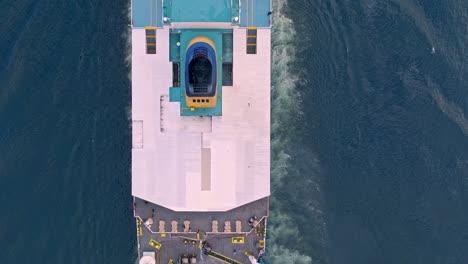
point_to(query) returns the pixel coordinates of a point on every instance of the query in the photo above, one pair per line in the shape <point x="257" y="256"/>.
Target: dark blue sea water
<point x="369" y="132"/>
<point x="64" y="133"/>
<point x="377" y="135"/>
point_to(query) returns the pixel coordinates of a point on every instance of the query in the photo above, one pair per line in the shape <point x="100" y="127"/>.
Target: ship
<point x="200" y="120"/>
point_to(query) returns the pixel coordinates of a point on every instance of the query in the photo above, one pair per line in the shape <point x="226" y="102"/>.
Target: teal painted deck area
<point x="235" y="11"/>
<point x="216" y="36"/>
<point x="174" y="94"/>
<point x="174" y="50"/>
<point x="198" y="11"/>
<point x="254" y="13"/>
<point x="147" y="13"/>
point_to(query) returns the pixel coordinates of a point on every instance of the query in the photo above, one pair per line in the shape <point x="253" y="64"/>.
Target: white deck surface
<point x="167" y="163"/>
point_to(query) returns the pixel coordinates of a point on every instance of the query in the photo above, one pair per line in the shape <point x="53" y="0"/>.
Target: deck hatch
<point x="227" y="74"/>
<point x="175" y="74"/>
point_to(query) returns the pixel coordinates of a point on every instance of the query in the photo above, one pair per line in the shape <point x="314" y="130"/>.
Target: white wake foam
<point x="285" y="101"/>
<point x="127" y="36"/>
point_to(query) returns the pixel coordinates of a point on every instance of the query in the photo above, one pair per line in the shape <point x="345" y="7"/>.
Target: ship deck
<point x="167" y="152"/>
<point x="208" y="166"/>
<point x="185" y="242"/>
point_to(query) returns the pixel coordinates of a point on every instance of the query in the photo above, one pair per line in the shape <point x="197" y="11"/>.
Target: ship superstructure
<point x="201" y="129"/>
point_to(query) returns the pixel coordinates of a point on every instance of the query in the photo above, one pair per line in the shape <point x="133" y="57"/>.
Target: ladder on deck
<point x="150" y="32"/>
<point x="251" y="40"/>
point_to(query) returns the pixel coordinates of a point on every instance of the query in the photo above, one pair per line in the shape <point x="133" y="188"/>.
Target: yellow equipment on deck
<point x="155" y="244"/>
<point x="238" y="240"/>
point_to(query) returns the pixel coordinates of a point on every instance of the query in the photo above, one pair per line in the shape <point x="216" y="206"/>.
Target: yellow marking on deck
<point x="139" y="229"/>
<point x="163" y="235"/>
<point x="154" y="244"/>
<point x="238" y="240"/>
